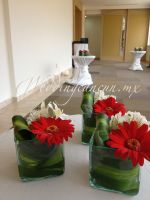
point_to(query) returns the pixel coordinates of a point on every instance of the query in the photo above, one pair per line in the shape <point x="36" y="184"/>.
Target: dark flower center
<point x="133" y="144"/>
<point x="52" y="128"/>
<point x="109" y="108"/>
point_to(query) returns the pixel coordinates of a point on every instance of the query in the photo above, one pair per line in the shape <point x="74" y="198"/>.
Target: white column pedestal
<point x="136" y="65"/>
<point x="81" y="74"/>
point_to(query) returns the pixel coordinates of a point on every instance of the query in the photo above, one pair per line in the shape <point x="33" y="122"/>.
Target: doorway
<point x="113" y="34"/>
<point x="93" y="33"/>
<point x="78" y="23"/>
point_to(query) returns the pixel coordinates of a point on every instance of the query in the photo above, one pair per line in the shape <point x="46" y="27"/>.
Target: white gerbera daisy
<point x="100" y="95"/>
<point x="128" y="117"/>
<point x="135" y="116"/>
<point x="115" y="120"/>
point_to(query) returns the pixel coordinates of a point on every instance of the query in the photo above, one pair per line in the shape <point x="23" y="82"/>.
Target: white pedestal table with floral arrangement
<point x="81" y="75"/>
<point x="136" y="65"/>
<point x="72" y="185"/>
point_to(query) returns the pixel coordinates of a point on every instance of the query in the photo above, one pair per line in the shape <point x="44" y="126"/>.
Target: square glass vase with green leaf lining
<point x="106" y="172"/>
<point x="39" y="142"/>
<point x="36" y="160"/>
<point x="112" y="174"/>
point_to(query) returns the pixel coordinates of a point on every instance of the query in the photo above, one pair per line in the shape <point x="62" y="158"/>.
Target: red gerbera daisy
<point x="51" y="130"/>
<point x="109" y="106"/>
<point x="131" y="142"/>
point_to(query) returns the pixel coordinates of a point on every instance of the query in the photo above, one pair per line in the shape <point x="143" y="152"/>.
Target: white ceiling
<point x="116" y="3"/>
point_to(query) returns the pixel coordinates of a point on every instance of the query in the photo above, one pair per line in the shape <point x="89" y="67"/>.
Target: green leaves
<point x="21" y="129"/>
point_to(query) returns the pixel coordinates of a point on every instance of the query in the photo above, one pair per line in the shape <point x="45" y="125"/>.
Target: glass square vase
<point x="112" y="174"/>
<point x="38" y="161"/>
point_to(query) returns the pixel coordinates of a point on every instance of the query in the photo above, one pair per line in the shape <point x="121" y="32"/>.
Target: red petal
<point x="110" y="101"/>
<point x="145" y="144"/>
<point x="114" y="145"/>
<point x="141" y="160"/>
<point x="141" y="132"/>
<point x="123" y="131"/>
<point x="133" y="129"/>
<point x="117" y="138"/>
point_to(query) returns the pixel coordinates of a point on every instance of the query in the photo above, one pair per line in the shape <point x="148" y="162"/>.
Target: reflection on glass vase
<point x="38" y="161"/>
<point x="112" y="174"/>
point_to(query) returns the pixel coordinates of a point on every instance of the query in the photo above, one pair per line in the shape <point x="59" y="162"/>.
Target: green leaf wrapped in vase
<point x="39" y="144"/>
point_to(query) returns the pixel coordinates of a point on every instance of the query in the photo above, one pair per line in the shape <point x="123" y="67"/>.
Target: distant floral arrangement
<point x="84" y="53"/>
<point x="138" y="49"/>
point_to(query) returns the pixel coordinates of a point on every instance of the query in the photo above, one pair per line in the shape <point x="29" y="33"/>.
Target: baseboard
<point x="7" y="102"/>
<point x="58" y="77"/>
<point x="61" y="77"/>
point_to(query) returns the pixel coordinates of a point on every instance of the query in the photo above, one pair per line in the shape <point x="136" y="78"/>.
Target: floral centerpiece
<point x="39" y="142"/>
<point x="138" y="49"/>
<point x="119" y="144"/>
<point x="94" y="103"/>
<point x="83" y="53"/>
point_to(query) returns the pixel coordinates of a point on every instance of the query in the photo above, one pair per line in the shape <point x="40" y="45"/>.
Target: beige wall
<point x="77" y="4"/>
<point x="92" y="32"/>
<point x="137" y="30"/>
<point x="111" y="34"/>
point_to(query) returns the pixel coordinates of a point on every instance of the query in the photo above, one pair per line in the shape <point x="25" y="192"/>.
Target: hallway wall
<point x="41" y="41"/>
<point x="5" y="89"/>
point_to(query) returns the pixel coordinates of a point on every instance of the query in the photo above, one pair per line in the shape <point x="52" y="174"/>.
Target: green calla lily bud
<point x="87" y="101"/>
<point x="21" y="129"/>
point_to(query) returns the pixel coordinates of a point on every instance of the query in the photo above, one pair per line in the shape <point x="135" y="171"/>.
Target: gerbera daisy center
<point x="109" y="108"/>
<point x="133" y="144"/>
<point x="52" y="128"/>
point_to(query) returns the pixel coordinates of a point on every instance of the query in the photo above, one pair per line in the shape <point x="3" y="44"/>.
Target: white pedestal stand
<point x="81" y="74"/>
<point x="136" y="65"/>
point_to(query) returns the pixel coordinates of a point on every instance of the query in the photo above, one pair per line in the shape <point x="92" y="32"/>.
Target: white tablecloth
<point x="81" y="75"/>
<point x="83" y="60"/>
<point x="73" y="185"/>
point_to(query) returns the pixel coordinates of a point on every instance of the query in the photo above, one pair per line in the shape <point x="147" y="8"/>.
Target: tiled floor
<point x="26" y="105"/>
<point x="131" y="87"/>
